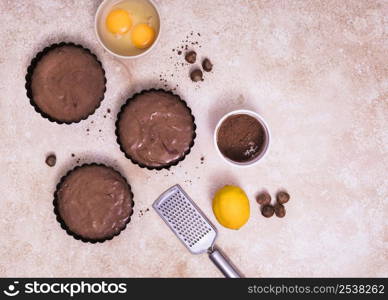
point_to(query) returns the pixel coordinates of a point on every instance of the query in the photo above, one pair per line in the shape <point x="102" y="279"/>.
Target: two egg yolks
<point x="119" y="22"/>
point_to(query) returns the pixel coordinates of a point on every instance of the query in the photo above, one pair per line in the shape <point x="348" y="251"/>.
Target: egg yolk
<point x="118" y="21"/>
<point x="142" y="36"/>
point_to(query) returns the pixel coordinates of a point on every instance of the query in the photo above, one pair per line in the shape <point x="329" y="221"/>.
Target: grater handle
<point x="223" y="264"/>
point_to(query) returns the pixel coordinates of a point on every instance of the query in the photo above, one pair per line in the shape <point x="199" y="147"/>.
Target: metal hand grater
<point x="192" y="227"/>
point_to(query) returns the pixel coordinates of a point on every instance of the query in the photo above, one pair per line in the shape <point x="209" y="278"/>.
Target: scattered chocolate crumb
<point x="78" y="160"/>
<point x="179" y="52"/>
<point x="87" y="129"/>
<point x="191" y="57"/>
<point x="280" y="210"/>
<point x="199" y="34"/>
<point x="142" y="212"/>
<point x="51" y="160"/>
<point x="173" y="50"/>
<point x="99" y="130"/>
<point x="202" y="159"/>
<point x="104" y="116"/>
<point x="263" y="198"/>
<point x="207" y="65"/>
<point x="267" y="211"/>
<point x="72" y="155"/>
<point x="196" y="75"/>
<point x="108" y="110"/>
<point x="92" y="122"/>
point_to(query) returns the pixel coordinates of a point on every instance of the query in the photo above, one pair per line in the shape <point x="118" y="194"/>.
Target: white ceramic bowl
<point x="106" y="4"/>
<point x="266" y="142"/>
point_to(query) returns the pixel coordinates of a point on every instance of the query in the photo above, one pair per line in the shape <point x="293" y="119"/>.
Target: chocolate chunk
<point x="191" y="57"/>
<point x="267" y="211"/>
<point x="207" y="65"/>
<point x="51" y="160"/>
<point x="264" y="198"/>
<point x="282" y="197"/>
<point x="196" y="75"/>
<point x="280" y="210"/>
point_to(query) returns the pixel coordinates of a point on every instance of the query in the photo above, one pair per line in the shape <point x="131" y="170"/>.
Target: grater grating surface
<point x="185" y="219"/>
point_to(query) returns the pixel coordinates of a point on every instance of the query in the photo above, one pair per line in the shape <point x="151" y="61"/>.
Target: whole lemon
<point x="231" y="207"/>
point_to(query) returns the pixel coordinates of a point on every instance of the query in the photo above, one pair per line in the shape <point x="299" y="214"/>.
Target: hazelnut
<point x="267" y="211"/>
<point x="191" y="57"/>
<point x="282" y="197"/>
<point x="280" y="210"/>
<point x="51" y="160"/>
<point x="196" y="75"/>
<point x="264" y="198"/>
<point x="207" y="65"/>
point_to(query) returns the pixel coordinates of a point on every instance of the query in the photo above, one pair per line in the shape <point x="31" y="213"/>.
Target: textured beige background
<point x="315" y="70"/>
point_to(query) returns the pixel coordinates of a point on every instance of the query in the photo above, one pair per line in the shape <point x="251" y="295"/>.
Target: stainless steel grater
<point x="192" y="227"/>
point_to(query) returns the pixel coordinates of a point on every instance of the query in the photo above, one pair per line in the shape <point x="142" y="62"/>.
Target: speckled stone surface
<point x="315" y="70"/>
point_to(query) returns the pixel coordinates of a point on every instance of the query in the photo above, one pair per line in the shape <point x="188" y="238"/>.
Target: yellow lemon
<point x="118" y="21"/>
<point x="231" y="207"/>
<point x="142" y="36"/>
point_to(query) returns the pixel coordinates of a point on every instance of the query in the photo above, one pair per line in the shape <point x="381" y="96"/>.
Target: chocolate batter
<point x="68" y="84"/>
<point x="240" y="138"/>
<point x="95" y="202"/>
<point x="156" y="128"/>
